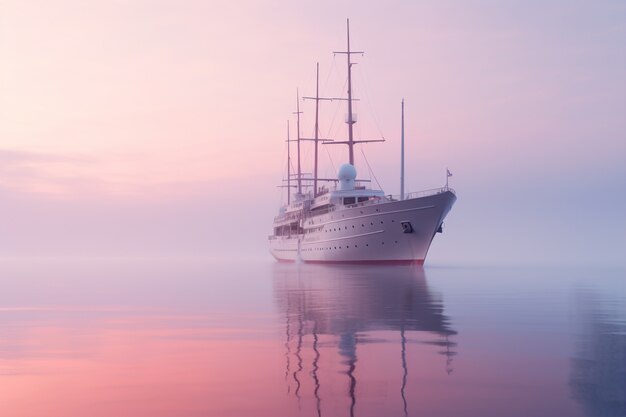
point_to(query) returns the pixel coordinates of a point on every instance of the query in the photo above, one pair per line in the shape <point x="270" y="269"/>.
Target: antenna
<point x="402" y="157"/>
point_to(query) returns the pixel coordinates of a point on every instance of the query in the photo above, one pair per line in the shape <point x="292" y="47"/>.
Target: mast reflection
<point x="349" y="303"/>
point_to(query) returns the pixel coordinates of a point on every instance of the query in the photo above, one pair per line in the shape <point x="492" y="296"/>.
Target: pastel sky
<point x="157" y="126"/>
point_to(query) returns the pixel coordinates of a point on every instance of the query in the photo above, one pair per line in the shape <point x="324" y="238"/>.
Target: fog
<point x="134" y="130"/>
<point x="551" y="222"/>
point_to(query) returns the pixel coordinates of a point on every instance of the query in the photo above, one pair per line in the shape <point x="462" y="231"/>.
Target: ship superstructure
<point x="347" y="221"/>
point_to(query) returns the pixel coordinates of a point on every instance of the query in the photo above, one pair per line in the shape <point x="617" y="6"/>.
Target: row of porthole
<point x="362" y="225"/>
<point x="340" y="247"/>
<point x="361" y="211"/>
<point x="335" y="247"/>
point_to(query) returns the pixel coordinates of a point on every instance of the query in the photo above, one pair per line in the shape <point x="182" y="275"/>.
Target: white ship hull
<point x="368" y="233"/>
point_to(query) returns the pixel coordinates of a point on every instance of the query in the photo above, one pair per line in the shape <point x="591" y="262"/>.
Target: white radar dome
<point x="346" y="176"/>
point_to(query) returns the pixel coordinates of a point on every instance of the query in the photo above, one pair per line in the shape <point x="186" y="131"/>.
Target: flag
<point x="448" y="172"/>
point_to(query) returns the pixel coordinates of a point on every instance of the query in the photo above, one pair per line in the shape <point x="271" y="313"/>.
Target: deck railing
<point x="423" y="193"/>
<point x="371" y="201"/>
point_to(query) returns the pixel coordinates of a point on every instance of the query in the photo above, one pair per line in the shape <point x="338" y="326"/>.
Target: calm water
<point x="253" y="338"/>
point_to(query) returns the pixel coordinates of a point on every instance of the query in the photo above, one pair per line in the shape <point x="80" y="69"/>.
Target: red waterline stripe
<point x="371" y="262"/>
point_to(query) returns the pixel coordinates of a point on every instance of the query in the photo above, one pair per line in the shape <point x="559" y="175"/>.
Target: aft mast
<point x="288" y="167"/>
<point x="298" y="112"/>
<point x="316" y="138"/>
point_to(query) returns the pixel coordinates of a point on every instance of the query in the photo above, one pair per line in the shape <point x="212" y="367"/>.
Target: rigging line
<point x="306" y="156"/>
<point x="332" y="122"/>
<point x="364" y="77"/>
<point x="282" y="191"/>
<point x="325" y="88"/>
<point x="331" y="160"/>
<point x="322" y="90"/>
<point x="310" y="81"/>
<point x="338" y="106"/>
<point x="371" y="171"/>
<point x="331" y="71"/>
<point x="292" y="168"/>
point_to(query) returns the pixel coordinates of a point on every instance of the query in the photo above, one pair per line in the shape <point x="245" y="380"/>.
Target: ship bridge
<point x="348" y="192"/>
<point x="347" y="197"/>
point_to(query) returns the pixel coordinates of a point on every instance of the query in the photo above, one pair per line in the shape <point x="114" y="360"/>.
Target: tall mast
<point x="288" y="167"/>
<point x="350" y="142"/>
<point x="316" y="138"/>
<point x="350" y="121"/>
<point x="298" y="127"/>
<point x="402" y="157"/>
<point x="317" y="105"/>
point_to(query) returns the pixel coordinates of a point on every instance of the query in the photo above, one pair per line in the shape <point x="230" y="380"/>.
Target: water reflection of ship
<point x="348" y="302"/>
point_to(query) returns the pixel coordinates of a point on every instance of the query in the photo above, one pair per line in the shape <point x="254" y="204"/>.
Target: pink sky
<point x="123" y="102"/>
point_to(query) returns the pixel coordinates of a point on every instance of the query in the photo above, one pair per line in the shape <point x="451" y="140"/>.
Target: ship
<point x="345" y="220"/>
